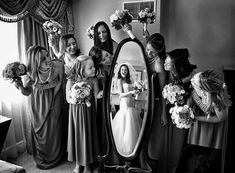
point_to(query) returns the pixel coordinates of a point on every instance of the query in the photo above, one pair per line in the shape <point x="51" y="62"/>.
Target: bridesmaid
<point x="180" y="71"/>
<point x="43" y="86"/>
<point x="156" y="55"/>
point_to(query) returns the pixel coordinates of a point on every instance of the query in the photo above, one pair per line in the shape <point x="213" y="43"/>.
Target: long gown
<point x="46" y="123"/>
<point x="126" y="124"/>
<point x="158" y="141"/>
<point x="83" y="145"/>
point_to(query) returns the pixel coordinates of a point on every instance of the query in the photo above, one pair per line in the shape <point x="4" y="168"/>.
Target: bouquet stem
<point x="145" y="30"/>
<point x="130" y="33"/>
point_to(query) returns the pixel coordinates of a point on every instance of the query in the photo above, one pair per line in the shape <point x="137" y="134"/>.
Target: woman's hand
<point x="18" y="83"/>
<point x="127" y="27"/>
<point x="53" y="39"/>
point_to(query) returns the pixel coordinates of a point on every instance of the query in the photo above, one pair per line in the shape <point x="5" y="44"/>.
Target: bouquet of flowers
<point x="140" y="86"/>
<point x="81" y="93"/>
<point x="146" y="16"/>
<point x="121" y="18"/>
<point x="90" y="32"/>
<point x="174" y="94"/>
<point x="182" y="116"/>
<point x="13" y="71"/>
<point x="52" y="27"/>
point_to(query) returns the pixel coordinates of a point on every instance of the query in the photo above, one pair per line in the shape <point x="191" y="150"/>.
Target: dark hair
<point x="158" y="42"/>
<point x="127" y="79"/>
<point x="64" y="41"/>
<point x="96" y="55"/>
<point x="182" y="65"/>
<point x="108" y="45"/>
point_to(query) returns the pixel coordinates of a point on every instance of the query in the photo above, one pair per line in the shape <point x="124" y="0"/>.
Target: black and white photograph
<point x="117" y="86"/>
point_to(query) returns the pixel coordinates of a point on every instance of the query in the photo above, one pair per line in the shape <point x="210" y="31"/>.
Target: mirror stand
<point x="128" y="147"/>
<point x="127" y="168"/>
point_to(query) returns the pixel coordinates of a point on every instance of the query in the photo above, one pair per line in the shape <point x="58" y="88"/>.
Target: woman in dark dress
<point x="43" y="86"/>
<point x="156" y="55"/>
<point x="180" y="72"/>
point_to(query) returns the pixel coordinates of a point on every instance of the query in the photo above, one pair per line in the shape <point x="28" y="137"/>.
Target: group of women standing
<point x="167" y="143"/>
<point x="200" y="148"/>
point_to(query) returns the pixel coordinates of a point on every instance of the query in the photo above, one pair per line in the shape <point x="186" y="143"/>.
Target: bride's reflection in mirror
<point x="128" y="99"/>
<point x="126" y="123"/>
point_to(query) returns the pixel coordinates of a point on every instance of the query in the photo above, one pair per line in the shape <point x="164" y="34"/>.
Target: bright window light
<point x="8" y="54"/>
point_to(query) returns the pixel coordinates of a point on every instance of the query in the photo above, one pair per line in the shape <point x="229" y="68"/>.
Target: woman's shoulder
<point x="158" y="66"/>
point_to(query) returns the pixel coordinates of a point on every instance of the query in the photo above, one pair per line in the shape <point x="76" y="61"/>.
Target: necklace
<point x="69" y="61"/>
<point x="152" y="60"/>
<point x="44" y="72"/>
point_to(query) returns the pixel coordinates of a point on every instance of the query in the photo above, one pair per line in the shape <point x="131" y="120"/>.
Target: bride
<point x="127" y="122"/>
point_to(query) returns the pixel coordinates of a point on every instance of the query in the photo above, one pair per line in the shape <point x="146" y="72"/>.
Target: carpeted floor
<point x="25" y="160"/>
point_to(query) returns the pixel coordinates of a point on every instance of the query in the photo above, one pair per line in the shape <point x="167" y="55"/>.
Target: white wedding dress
<point x="126" y="124"/>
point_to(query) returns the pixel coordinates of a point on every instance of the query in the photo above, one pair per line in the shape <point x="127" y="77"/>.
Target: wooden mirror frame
<point x="142" y="143"/>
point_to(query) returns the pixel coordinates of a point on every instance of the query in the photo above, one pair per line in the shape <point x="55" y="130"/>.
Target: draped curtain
<point x="29" y="15"/>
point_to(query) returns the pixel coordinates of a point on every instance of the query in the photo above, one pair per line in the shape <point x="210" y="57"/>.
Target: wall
<point x="88" y="12"/>
<point x="205" y="27"/>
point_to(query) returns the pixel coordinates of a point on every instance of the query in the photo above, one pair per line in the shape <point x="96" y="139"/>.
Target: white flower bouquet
<point x="182" y="116"/>
<point x="146" y="16"/>
<point x="174" y="94"/>
<point x="80" y="93"/>
<point x="13" y="71"/>
<point x="121" y="18"/>
<point x="140" y="86"/>
<point x="90" y="32"/>
<point x="52" y="27"/>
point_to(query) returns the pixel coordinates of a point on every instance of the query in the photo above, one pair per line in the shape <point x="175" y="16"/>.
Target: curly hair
<point x="213" y="82"/>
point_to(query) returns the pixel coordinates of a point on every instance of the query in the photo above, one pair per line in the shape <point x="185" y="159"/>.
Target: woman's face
<point x="124" y="71"/>
<point x="71" y="46"/>
<point x="89" y="70"/>
<point x="150" y="51"/>
<point x="102" y="33"/>
<point x="45" y="59"/>
<point x="168" y="65"/>
<point x="106" y="58"/>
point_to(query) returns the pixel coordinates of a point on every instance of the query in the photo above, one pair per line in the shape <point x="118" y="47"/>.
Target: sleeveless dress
<point x="83" y="145"/>
<point x="126" y="124"/>
<point x="158" y="141"/>
<point x="46" y="123"/>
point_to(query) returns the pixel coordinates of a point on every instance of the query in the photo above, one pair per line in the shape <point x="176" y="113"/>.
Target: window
<point x="9" y="53"/>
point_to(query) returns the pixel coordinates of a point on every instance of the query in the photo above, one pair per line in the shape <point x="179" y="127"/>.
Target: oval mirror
<point x="128" y="98"/>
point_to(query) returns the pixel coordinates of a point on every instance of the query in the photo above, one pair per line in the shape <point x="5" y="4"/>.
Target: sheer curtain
<point x="10" y="99"/>
<point x="26" y="18"/>
<point x="12" y="103"/>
